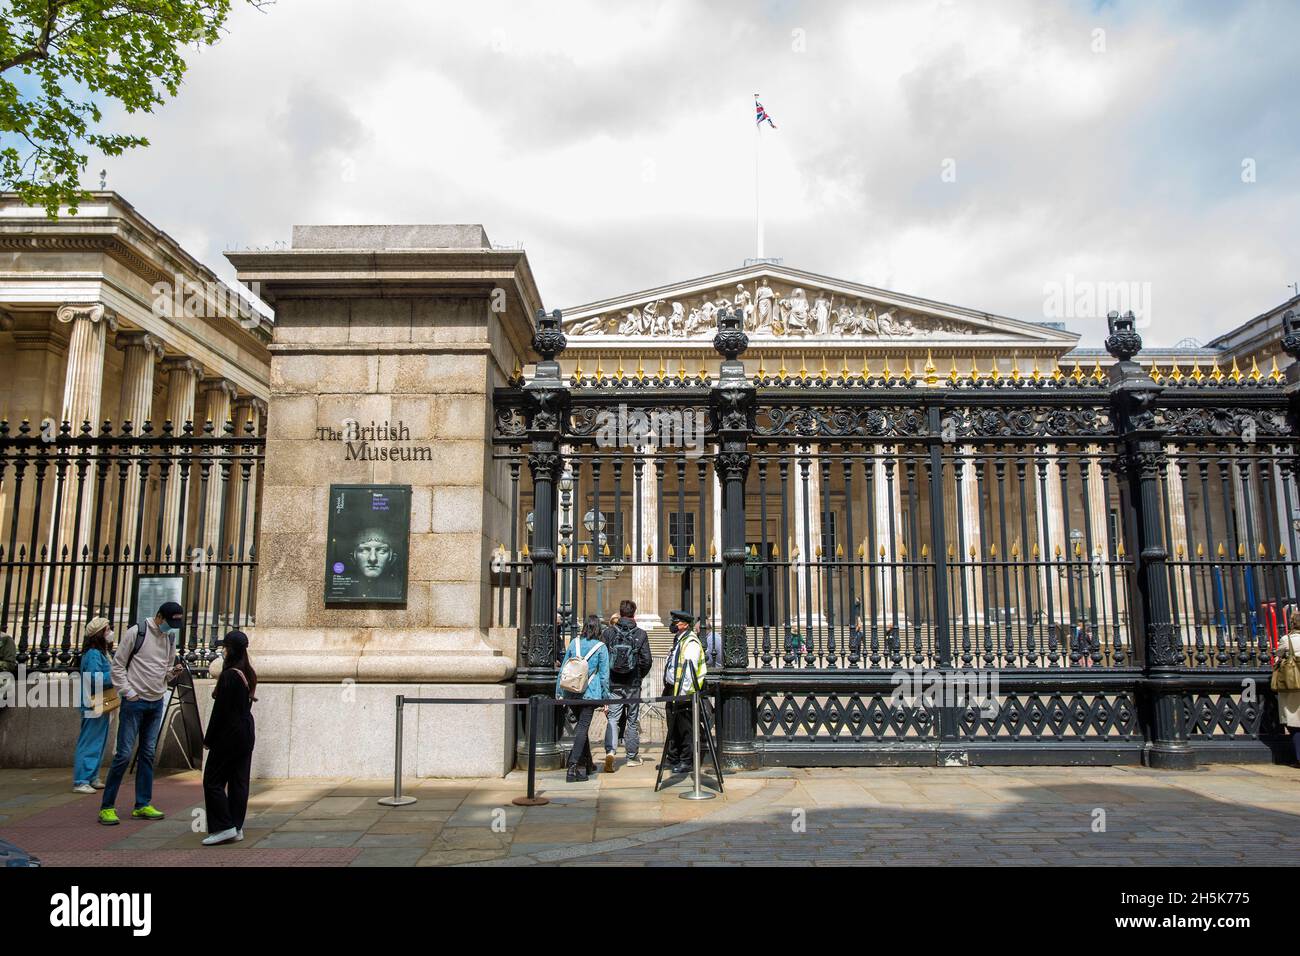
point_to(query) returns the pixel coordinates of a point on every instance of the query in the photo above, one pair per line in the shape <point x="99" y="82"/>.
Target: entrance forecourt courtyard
<point x="1227" y="815"/>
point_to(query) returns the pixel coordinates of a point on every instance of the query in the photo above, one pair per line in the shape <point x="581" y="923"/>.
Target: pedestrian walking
<point x="1286" y="681"/>
<point x="142" y="667"/>
<point x="229" y="742"/>
<point x="584" y="673"/>
<point x="98" y="700"/>
<point x="629" y="663"/>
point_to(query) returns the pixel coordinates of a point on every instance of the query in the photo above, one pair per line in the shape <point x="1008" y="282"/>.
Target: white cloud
<point x="616" y="142"/>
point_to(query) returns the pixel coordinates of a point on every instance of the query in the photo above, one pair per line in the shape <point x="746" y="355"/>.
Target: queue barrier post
<point x="696" y="793"/>
<point x="532" y="799"/>
<point x="397" y="800"/>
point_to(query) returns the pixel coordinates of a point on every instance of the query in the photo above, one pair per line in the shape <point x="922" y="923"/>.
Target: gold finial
<point x="1175" y="373"/>
<point x="972" y="552"/>
<point x="776" y="550"/>
<point x="825" y="373"/>
<point x="995" y="373"/>
<point x="690" y="552"/>
<point x="1077" y="375"/>
<point x="839" y="550"/>
<point x="753" y="550"/>
<point x="703" y="373"/>
<point x="1155" y="373"/>
<point x="1179" y="551"/>
<point x="817" y="551"/>
<point x="1015" y="368"/>
<point x="952" y="552"/>
<point x="663" y="372"/>
<point x="681" y="368"/>
<point x="882" y="552"/>
<point x="1235" y="374"/>
<point x="1221" y="551"/>
<point x="762" y="372"/>
<point x="862" y="551"/>
<point x="993" y="549"/>
<point x="866" y="369"/>
<point x="672" y="553"/>
<point x="803" y="367"/>
<point x="885" y="374"/>
<point x="1276" y="374"/>
<point x="1119" y="549"/>
<point x="627" y="551"/>
<point x="618" y="372"/>
<point x="1036" y="374"/>
<point x="1216" y="373"/>
<point x="1057" y="374"/>
<point x="974" y="370"/>
<point x="1058" y="551"/>
<point x="1015" y="548"/>
<point x="1255" y="373"/>
<point x="1033" y="552"/>
<point x="585" y="553"/>
<point x="1197" y="375"/>
<point x="600" y="373"/>
<point x="518" y="373"/>
<point x="907" y="369"/>
<point x="1262" y="552"/>
<point x="713" y="550"/>
<point x="577" y="370"/>
<point x="1200" y="550"/>
<point x="782" y="373"/>
<point x="1241" y="550"/>
<point x="925" y="551"/>
<point x="902" y="549"/>
<point x="605" y="550"/>
<point x="1281" y="551"/>
<point x="954" y="376"/>
<point x="1097" y="375"/>
<point x="640" y="370"/>
<point x="845" y="374"/>
<point x="1078" y="550"/>
<point x="794" y="553"/>
<point x="649" y="553"/>
<point x="931" y="378"/>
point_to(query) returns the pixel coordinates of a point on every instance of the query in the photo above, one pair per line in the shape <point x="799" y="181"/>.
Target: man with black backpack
<point x="142" y="669"/>
<point x="629" y="663"/>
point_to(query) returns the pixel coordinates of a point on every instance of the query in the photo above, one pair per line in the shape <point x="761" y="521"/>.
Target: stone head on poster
<point x="369" y="534"/>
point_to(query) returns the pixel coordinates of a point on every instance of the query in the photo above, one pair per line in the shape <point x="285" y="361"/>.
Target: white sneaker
<point x="83" y="788"/>
<point x="239" y="835"/>
<point x="97" y="784"/>
<point x="225" y="836"/>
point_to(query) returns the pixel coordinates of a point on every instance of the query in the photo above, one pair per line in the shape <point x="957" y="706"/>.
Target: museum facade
<point x="862" y="492"/>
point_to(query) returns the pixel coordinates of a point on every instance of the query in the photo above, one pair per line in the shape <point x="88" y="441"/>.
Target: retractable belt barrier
<point x="398" y="799"/>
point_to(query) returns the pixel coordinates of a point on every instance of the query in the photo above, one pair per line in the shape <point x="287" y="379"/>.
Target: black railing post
<point x="732" y="404"/>
<point x="548" y="401"/>
<point x="1133" y="401"/>
<point x="949" y="714"/>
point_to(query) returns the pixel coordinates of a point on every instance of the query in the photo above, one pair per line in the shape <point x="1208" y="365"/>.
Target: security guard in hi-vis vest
<point x="684" y="672"/>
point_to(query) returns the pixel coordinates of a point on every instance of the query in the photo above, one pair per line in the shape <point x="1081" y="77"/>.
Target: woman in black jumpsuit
<point x="230" y="743"/>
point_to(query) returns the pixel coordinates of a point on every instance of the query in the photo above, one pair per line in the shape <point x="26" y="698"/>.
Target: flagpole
<point x="758" y="215"/>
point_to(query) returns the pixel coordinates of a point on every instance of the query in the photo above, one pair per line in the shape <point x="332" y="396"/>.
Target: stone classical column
<point x="242" y="509"/>
<point x="140" y="353"/>
<point x="972" y="541"/>
<point x="807" y="537"/>
<point x="645" y="579"/>
<point x="84" y="379"/>
<point x="182" y="381"/>
<point x="83" y="383"/>
<point x="218" y="393"/>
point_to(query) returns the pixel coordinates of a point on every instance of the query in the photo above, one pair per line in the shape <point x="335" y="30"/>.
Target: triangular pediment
<point x="781" y="305"/>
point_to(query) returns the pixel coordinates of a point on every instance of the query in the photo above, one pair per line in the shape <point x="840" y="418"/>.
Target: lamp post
<point x="566" y="543"/>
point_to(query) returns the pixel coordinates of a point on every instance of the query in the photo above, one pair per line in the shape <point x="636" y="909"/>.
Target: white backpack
<point x="575" y="675"/>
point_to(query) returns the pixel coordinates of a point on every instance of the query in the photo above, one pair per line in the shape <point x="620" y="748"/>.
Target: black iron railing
<point x="85" y="513"/>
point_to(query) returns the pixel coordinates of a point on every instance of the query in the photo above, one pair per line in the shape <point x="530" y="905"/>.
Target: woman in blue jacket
<point x="96" y="679"/>
<point x="586" y="646"/>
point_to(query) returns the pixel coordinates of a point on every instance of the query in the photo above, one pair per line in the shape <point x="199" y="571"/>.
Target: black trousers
<point x="225" y="787"/>
<point x="580" y="755"/>
<point x="677" y="737"/>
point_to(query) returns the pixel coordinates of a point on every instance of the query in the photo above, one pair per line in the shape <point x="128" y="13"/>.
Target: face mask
<point x="166" y="627"/>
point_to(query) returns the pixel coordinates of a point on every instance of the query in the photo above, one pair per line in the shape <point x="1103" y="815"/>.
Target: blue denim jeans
<point x="90" y="748"/>
<point x="137" y="719"/>
<point x="624" y="711"/>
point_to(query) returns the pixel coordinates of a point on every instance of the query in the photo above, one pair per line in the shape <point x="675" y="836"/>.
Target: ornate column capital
<point x="136" y="339"/>
<point x="219" y="384"/>
<point x="182" y="363"/>
<point x="6" y="321"/>
<point x="252" y="403"/>
<point x="72" y="312"/>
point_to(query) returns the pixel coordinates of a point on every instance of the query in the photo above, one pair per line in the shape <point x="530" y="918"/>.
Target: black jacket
<point x="231" y="725"/>
<point x="639" y="641"/>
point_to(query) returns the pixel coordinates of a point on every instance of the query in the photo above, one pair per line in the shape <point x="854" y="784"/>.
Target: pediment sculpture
<point x="780" y="312"/>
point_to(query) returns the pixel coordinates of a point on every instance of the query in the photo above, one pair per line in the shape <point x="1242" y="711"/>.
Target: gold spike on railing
<point x="640" y="369"/>
<point x="781" y="373"/>
<point x="762" y="372"/>
<point x="825" y="373"/>
<point x="885" y="373"/>
<point x="1200" y="550"/>
<point x="1216" y="373"/>
<point x="1077" y="375"/>
<point x="1235" y="374"/>
<point x="817" y="551"/>
<point x="1057" y="374"/>
<point x="845" y="374"/>
<point x="703" y="373"/>
<point x="1196" y="374"/>
<point x="993" y="550"/>
<point x="577" y="371"/>
<point x="803" y="367"/>
<point x="931" y="378"/>
<point x="671" y="552"/>
<point x="1015" y="548"/>
<point x="1175" y="373"/>
<point x="995" y="373"/>
<point x="1281" y="551"/>
<point x="663" y="372"/>
<point x="954" y="376"/>
<point x="618" y="372"/>
<point x="1255" y="373"/>
<point x="1262" y="553"/>
<point x="627" y="551"/>
<point x="649" y="553"/>
<point x="605" y="552"/>
<point x="1241" y="550"/>
<point x="925" y="551"/>
<point x="681" y="368"/>
<point x="518" y="373"/>
<point x="1179" y="552"/>
<point x="776" y="550"/>
<point x="1036" y="375"/>
<point x="1058" y="552"/>
<point x="866" y="369"/>
<point x="902" y="549"/>
<point x="952" y="552"/>
<point x="713" y="550"/>
<point x="1033" y="552"/>
<point x="690" y="552"/>
<point x="600" y="373"/>
<point x="882" y="552"/>
<point x="1276" y="374"/>
<point x="839" y="550"/>
<point x="524" y="553"/>
<point x="1155" y="373"/>
<point x="972" y="552"/>
<point x="794" y="553"/>
<point x="1097" y="374"/>
<point x="862" y="551"/>
<point x="1119" y="549"/>
<point x="1015" y="369"/>
<point x="907" y="370"/>
<point x="974" y="370"/>
<point x="585" y="553"/>
<point x="1221" y="551"/>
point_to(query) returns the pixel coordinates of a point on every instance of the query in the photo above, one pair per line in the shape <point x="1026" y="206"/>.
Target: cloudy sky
<point x="988" y="154"/>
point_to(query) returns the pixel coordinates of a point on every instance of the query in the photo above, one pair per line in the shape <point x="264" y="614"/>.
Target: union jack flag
<point x="761" y="114"/>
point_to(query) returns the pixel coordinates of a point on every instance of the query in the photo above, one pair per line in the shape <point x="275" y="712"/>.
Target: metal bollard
<point x="397" y="800"/>
<point x="532" y="800"/>
<point x="696" y="793"/>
